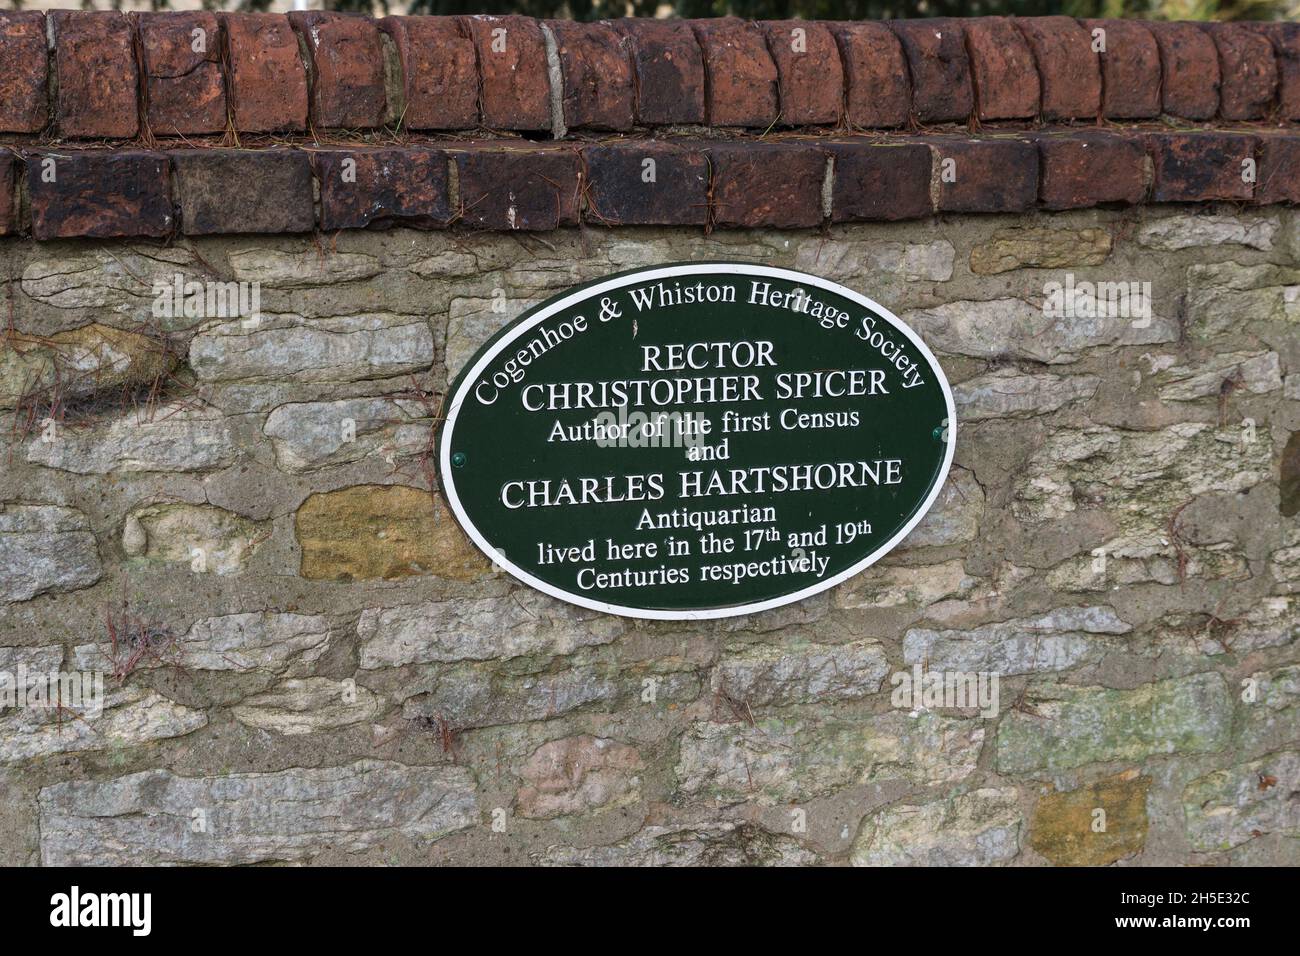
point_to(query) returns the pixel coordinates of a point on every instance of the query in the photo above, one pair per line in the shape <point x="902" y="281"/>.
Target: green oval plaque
<point x="696" y="440"/>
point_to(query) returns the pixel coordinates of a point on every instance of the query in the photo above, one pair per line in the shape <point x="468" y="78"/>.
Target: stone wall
<point x="306" y="661"/>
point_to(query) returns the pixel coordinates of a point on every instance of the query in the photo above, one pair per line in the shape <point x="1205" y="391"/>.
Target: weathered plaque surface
<point x="697" y="440"/>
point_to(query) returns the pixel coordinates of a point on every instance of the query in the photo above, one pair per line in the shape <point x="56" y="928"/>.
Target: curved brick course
<point x="1015" y="112"/>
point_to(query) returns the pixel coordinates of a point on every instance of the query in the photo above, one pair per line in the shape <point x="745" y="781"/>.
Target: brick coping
<point x="158" y="124"/>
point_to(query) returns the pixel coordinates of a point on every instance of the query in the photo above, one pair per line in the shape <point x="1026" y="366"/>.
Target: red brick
<point x="99" y="194"/>
<point x="936" y="56"/>
<point x="406" y="185"/>
<point x="810" y="79"/>
<point x="597" y="75"/>
<point x="268" y="82"/>
<point x="767" y="185"/>
<point x="1250" y="71"/>
<point x="878" y="90"/>
<point x="621" y="192"/>
<point x="1070" y="72"/>
<point x="1199" y="167"/>
<point x="439" y="70"/>
<point x="1002" y="69"/>
<point x="24" y="90"/>
<point x="669" y="68"/>
<point x="742" y="81"/>
<point x="1088" y="168"/>
<point x="185" y="90"/>
<point x="1279" y="169"/>
<point x="879" y="181"/>
<point x="347" y="68"/>
<point x="518" y="188"/>
<point x="987" y="175"/>
<point x="1286" y="49"/>
<point x="243" y="191"/>
<point x="516" y="89"/>
<point x="1190" y="64"/>
<point x="1130" y="69"/>
<point x="8" y="194"/>
<point x="95" y="58"/>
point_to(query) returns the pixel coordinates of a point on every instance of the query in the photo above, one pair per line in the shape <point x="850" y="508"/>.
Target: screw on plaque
<point x="458" y="459"/>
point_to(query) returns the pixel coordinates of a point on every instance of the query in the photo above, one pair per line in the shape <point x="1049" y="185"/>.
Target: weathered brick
<point x="185" y="90"/>
<point x="987" y="175"/>
<point x="24" y="90"/>
<point x="646" y="183"/>
<point x="407" y="185"/>
<point x="1199" y="167"/>
<point x="347" y="68"/>
<point x="8" y="194"/>
<point x="1190" y="65"/>
<point x="597" y="75"/>
<point x="268" y="82"/>
<point x="1070" y="72"/>
<point x="742" y="82"/>
<point x="516" y="89"/>
<point x="243" y="191"/>
<point x="1250" y="72"/>
<point x="940" y="69"/>
<point x="1088" y="168"/>
<point x="1130" y="69"/>
<point x="877" y="89"/>
<point x="669" y="68"/>
<point x="95" y="58"/>
<point x="810" y="79"/>
<point x="99" y="194"/>
<point x="1279" y="169"/>
<point x="767" y="185"/>
<point x="880" y="181"/>
<point x="1002" y="69"/>
<point x="518" y="188"/>
<point x="1285" y="38"/>
<point x="439" y="71"/>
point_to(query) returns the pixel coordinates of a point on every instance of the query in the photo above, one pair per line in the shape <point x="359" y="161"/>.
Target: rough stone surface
<point x="145" y="818"/>
<point x="1231" y="806"/>
<point x="980" y="828"/>
<point x="1117" y="538"/>
<point x="1068" y="830"/>
<point x="45" y="548"/>
<point x="131" y="717"/>
<point x="382" y="531"/>
<point x="1056" y="641"/>
<point x="1065" y="727"/>
<point x="167" y="438"/>
<point x="579" y="774"/>
<point x="478" y="630"/>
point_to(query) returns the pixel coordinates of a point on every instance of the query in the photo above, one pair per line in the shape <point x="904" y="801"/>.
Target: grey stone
<point x="130" y="716"/>
<point x="1060" y="727"/>
<point x="764" y="675"/>
<point x="172" y="437"/>
<point x="147" y="818"/>
<point x="45" y="548"/>
<point x="479" y="629"/>
<point x="981" y="828"/>
<point x="307" y="706"/>
<point x="266" y="641"/>
<point x="1007" y="393"/>
<point x="1172" y="233"/>
<point x="1226" y="808"/>
<point x="345" y="349"/>
<point x="1055" y="641"/>
<point x="310" y="435"/>
<point x="776" y="760"/>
